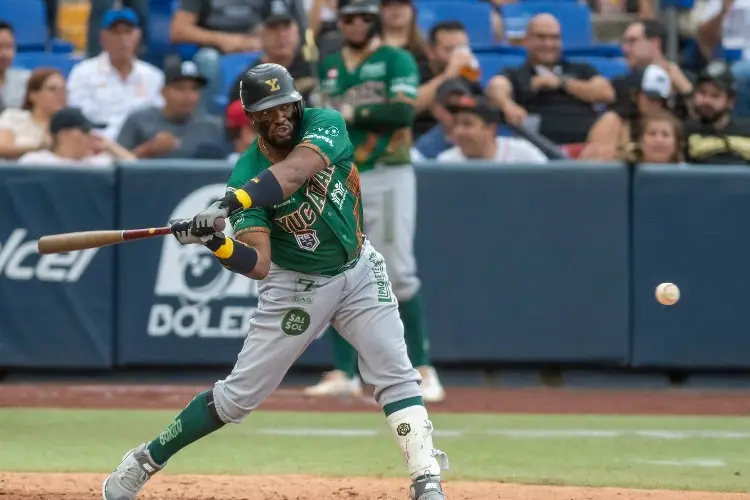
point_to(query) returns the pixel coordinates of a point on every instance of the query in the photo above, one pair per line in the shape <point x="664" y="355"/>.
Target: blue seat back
<point x="474" y="16"/>
<point x="575" y="20"/>
<point x="230" y="67"/>
<point x="492" y="64"/>
<point x="32" y="60"/>
<point x="29" y="21"/>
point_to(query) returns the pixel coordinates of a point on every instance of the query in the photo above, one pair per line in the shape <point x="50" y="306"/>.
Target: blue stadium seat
<point x="492" y="64"/>
<point x="29" y="21"/>
<point x="575" y="20"/>
<point x="609" y="68"/>
<point x="474" y="16"/>
<point x="160" y="18"/>
<point x="32" y="60"/>
<point x="231" y="66"/>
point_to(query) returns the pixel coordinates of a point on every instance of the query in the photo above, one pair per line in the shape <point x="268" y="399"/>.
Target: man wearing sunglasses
<point x="375" y="87"/>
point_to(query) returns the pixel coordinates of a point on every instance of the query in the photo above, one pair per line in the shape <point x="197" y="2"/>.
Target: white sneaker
<point x="336" y="383"/>
<point x="131" y="475"/>
<point x="432" y="390"/>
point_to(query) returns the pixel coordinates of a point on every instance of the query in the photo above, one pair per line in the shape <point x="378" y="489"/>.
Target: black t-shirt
<point x="728" y="146"/>
<point x="564" y="118"/>
<point x="300" y="70"/>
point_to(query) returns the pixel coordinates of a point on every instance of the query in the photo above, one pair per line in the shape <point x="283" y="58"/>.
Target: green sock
<point x="197" y="420"/>
<point x="415" y="331"/>
<point x="344" y="355"/>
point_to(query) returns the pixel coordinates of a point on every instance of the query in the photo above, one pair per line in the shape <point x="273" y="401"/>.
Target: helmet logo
<point x="273" y="84"/>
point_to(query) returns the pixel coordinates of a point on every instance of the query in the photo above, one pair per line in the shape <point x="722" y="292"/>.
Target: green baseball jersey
<point x="318" y="229"/>
<point x="388" y="74"/>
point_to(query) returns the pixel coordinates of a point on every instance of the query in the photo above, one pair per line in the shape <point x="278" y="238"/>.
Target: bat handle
<point x="137" y="234"/>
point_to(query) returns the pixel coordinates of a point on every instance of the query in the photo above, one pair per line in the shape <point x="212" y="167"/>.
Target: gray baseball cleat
<point x="427" y="488"/>
<point x="126" y="481"/>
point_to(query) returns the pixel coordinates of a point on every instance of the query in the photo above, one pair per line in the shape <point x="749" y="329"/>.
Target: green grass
<point x="94" y="440"/>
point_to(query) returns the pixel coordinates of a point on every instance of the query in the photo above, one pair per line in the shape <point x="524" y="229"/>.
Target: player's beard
<point x="264" y="130"/>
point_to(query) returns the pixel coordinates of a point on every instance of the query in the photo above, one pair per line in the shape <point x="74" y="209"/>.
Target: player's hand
<point x="541" y="82"/>
<point x="181" y="231"/>
<point x="203" y="223"/>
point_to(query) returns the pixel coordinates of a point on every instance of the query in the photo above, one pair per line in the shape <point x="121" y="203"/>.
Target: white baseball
<point x="667" y="294"/>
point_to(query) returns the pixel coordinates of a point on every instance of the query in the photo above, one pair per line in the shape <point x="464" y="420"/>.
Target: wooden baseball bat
<point x="68" y="242"/>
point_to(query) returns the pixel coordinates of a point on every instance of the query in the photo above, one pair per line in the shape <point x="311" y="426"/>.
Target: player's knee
<point x="232" y="406"/>
<point x="398" y="392"/>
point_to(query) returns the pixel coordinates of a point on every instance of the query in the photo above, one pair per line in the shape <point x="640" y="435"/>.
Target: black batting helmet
<point x="266" y="86"/>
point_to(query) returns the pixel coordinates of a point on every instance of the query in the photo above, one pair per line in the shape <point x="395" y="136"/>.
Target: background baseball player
<point x="374" y="86"/>
<point x="295" y="195"/>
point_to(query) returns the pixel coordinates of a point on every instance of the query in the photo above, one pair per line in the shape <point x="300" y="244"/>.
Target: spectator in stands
<point x="279" y="35"/>
<point x="322" y="19"/>
<point x="644" y="8"/>
<point x="27" y="129"/>
<point x="12" y="80"/>
<point x="643" y="44"/>
<point x="399" y="28"/>
<point x="221" y="27"/>
<point x="562" y="94"/>
<point x="115" y="83"/>
<point x="99" y="8"/>
<point x="447" y="58"/>
<point x="723" y="24"/>
<point x="240" y="130"/>
<point x="661" y="140"/>
<point x="649" y="90"/>
<point x="715" y="136"/>
<point x="174" y="130"/>
<point x="74" y="144"/>
<point x="440" y="137"/>
<point x="475" y="135"/>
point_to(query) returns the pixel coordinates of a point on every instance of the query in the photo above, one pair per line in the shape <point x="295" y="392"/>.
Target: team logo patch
<point x="295" y="322"/>
<point x="273" y="84"/>
<point x="307" y="239"/>
<point x="403" y="429"/>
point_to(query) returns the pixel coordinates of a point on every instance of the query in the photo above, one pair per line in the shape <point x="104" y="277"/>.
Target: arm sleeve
<point x="253" y="219"/>
<point x="326" y="134"/>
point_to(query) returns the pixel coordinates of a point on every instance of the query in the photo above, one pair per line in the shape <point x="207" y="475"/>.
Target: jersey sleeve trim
<point x="315" y="148"/>
<point x="253" y="229"/>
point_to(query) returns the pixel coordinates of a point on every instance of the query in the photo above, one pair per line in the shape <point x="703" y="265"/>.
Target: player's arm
<point x="249" y="254"/>
<point x="399" y="109"/>
<point x="324" y="140"/>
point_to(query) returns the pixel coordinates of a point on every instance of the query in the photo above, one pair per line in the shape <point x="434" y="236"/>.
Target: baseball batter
<point x="294" y="202"/>
<point x="374" y="86"/>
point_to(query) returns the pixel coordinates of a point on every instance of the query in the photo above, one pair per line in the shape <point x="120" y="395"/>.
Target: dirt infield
<point x="87" y="487"/>
<point x="22" y="486"/>
<point x="472" y="400"/>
